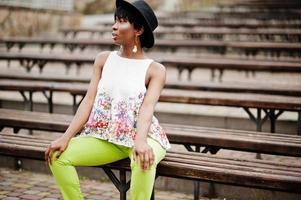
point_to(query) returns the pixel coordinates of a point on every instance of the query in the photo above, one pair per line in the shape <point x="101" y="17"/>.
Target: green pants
<point x="91" y="151"/>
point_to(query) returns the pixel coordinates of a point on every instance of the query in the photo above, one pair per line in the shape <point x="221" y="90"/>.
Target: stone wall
<point x="28" y="22"/>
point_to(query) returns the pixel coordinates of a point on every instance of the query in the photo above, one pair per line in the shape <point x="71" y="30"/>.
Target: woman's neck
<point x="127" y="51"/>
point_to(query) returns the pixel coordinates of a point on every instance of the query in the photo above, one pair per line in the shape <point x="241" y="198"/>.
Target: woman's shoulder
<point x="101" y="58"/>
<point x="156" y="70"/>
<point x="102" y="55"/>
<point x="157" y="67"/>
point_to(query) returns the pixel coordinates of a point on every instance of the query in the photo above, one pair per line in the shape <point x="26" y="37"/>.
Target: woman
<point x="117" y="111"/>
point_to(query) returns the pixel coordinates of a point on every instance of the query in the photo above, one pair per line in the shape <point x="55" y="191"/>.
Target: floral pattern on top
<point x="115" y="120"/>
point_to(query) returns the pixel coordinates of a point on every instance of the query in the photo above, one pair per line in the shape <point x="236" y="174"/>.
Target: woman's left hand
<point x="144" y="153"/>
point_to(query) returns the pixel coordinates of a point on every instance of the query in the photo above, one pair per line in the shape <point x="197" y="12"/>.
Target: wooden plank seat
<point x="288" y="35"/>
<point x="82" y="44"/>
<point x="274" y="4"/>
<point x="276" y="48"/>
<point x="227" y="24"/>
<point x="219" y="47"/>
<point x="258" y="15"/>
<point x="196" y="166"/>
<point x="272" y="105"/>
<point x="222" y="64"/>
<point x="240" y="87"/>
<point x="28" y="61"/>
<point x="28" y="87"/>
<point x="212" y="139"/>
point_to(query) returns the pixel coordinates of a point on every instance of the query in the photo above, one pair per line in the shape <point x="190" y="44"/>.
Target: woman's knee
<point x="159" y="154"/>
<point x="159" y="151"/>
<point x="59" y="161"/>
<point x="63" y="158"/>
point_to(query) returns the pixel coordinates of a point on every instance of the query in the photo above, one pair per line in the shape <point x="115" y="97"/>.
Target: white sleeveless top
<point x="120" y="93"/>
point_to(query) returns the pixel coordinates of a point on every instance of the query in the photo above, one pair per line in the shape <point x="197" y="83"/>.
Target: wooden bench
<point x="226" y="24"/>
<point x="240" y="87"/>
<point x="274" y="4"/>
<point x="82" y="44"/>
<point x="258" y="15"/>
<point x="288" y="35"/>
<point x="212" y="139"/>
<point x="275" y="49"/>
<point x="28" y="61"/>
<point x="219" y="47"/>
<point x="272" y="105"/>
<point x="192" y="165"/>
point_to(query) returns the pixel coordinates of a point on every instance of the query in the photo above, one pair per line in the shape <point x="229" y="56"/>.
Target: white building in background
<point x="62" y="5"/>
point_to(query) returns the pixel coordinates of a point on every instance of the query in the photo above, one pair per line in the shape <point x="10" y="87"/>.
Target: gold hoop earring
<point x="134" y="50"/>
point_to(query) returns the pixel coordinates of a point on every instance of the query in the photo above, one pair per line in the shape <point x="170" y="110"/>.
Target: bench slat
<point x="190" y="170"/>
<point x="240" y="140"/>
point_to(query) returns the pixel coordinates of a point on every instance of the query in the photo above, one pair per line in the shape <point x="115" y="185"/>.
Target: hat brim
<point x="147" y="38"/>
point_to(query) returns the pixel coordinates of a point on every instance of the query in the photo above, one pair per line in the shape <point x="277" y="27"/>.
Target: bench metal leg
<point x="28" y="103"/>
<point x="273" y="116"/>
<point x="121" y="184"/>
<point x="16" y="130"/>
<point x="123" y="187"/>
<point x="49" y="98"/>
<point x="75" y="104"/>
<point x="196" y="195"/>
<point x="258" y="121"/>
<point x="299" y="124"/>
<point x="78" y="67"/>
<point x="67" y="65"/>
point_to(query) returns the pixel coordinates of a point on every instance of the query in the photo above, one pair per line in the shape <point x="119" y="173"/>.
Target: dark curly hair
<point x="133" y="17"/>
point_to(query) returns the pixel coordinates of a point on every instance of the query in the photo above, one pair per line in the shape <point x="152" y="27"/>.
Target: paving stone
<point x="31" y="192"/>
<point x="15" y="194"/>
<point x="21" y="185"/>
<point x="10" y="198"/>
<point x="30" y="197"/>
<point x="46" y="189"/>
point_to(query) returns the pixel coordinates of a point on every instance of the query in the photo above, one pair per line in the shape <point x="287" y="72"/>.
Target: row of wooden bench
<point x="190" y="165"/>
<point x="267" y="4"/>
<point x="236" y="87"/>
<point x="228" y="24"/>
<point x="220" y="14"/>
<point x="273" y="105"/>
<point x="180" y="63"/>
<point x="221" y="47"/>
<point x="251" y="35"/>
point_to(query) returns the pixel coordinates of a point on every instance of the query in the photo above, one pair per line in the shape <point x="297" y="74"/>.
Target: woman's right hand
<point x="59" y="145"/>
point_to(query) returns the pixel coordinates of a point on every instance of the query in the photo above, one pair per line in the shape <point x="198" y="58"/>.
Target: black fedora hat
<point x="150" y="21"/>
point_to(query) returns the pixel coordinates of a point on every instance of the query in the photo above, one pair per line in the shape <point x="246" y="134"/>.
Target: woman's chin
<point x="116" y="42"/>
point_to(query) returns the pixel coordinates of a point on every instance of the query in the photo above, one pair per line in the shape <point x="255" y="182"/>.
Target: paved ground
<point x="26" y="185"/>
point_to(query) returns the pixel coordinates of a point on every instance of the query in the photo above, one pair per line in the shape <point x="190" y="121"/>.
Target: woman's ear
<point x="140" y="32"/>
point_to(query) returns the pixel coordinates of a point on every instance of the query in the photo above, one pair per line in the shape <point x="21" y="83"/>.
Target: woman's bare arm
<point x="155" y="86"/>
<point x="142" y="150"/>
<point x="84" y="109"/>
